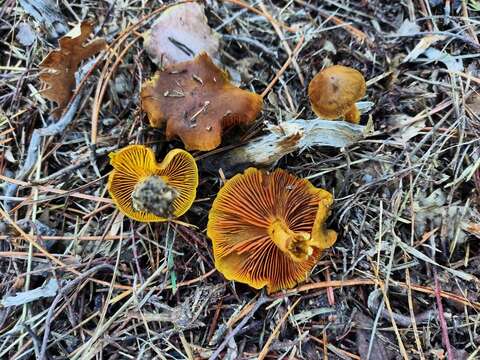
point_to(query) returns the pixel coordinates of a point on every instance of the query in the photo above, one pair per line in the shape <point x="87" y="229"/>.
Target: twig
<point x="374" y="306"/>
<point x="359" y="35"/>
<point x="71" y="193"/>
<point x="256" y="11"/>
<point x="285" y="45"/>
<point x="441" y="317"/>
<point x="438" y="299"/>
<point x="50" y="130"/>
<point x="250" y="41"/>
<point x="261" y="300"/>
<point x="284" y="67"/>
<point x="275" y="331"/>
<point x="69" y="169"/>
<point x="57" y="299"/>
<point x="35" y="340"/>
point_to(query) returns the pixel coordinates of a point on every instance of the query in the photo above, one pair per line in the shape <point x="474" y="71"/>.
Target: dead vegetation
<point x="402" y="280"/>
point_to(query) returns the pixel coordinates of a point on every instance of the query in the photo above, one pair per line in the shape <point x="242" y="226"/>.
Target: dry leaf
<point x="45" y="291"/>
<point x="196" y="101"/>
<point x="364" y="339"/>
<point x="61" y="65"/>
<point x="424" y="48"/>
<point x="452" y="63"/>
<point x="406" y="130"/>
<point x="25" y="36"/>
<point x="408" y="28"/>
<point x="423" y="45"/>
<point x="179" y="34"/>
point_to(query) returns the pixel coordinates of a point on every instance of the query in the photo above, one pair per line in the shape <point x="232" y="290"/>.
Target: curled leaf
<point x="196" y="101"/>
<point x="61" y="64"/>
<point x="179" y="34"/>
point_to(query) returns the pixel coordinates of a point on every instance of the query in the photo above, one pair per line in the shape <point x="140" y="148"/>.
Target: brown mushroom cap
<point x="268" y="229"/>
<point x="196" y="101"/>
<point x="334" y="91"/>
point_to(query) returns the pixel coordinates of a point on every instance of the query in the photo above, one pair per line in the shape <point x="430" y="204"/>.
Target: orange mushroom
<point x="197" y="102"/>
<point x="334" y="91"/>
<point x="268" y="229"/>
<point x="147" y="191"/>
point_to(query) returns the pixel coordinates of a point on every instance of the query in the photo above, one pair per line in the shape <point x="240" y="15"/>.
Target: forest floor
<point x="402" y="281"/>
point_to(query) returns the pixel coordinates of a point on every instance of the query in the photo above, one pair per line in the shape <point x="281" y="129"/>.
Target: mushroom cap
<point x="334" y="90"/>
<point x="196" y="101"/>
<point x="240" y="218"/>
<point x="135" y="163"/>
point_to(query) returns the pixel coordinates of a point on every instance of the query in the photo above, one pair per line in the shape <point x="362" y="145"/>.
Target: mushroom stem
<point x="153" y="195"/>
<point x="353" y="115"/>
<point x="295" y="244"/>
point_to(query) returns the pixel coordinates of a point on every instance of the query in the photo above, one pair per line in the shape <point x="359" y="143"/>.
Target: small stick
<point x="58" y="191"/>
<point x="285" y="46"/>
<point x="358" y="34"/>
<point x="284" y="67"/>
<point x="57" y="299"/>
<point x="274" y="333"/>
<point x="261" y="300"/>
<point x="470" y="29"/>
<point x="258" y="12"/>
<point x="214" y="321"/>
<point x="441" y="316"/>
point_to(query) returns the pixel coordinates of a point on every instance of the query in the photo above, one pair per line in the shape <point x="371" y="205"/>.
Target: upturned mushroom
<point x="334" y="91"/>
<point x="148" y="191"/>
<point x="197" y="102"/>
<point x="268" y="229"/>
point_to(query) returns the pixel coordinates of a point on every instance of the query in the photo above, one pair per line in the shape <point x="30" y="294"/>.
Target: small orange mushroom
<point x="334" y="91"/>
<point x="268" y="229"/>
<point x="197" y="102"/>
<point x="147" y="191"/>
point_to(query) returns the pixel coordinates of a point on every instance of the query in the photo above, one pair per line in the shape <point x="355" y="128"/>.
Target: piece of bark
<point x="283" y="139"/>
<point x="47" y="290"/>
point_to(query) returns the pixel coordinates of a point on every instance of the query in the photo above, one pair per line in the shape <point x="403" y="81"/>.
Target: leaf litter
<point x="60" y="65"/>
<point x="421" y="138"/>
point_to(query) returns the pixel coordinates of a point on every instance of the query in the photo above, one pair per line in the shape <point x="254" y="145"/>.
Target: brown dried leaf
<point x="62" y="64"/>
<point x="378" y="349"/>
<point x="196" y="101"/>
<point x="179" y="34"/>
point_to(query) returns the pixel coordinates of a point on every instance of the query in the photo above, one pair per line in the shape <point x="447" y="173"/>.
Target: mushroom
<point x="268" y="229"/>
<point x="334" y="91"/>
<point x="197" y="102"/>
<point x="148" y="191"/>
